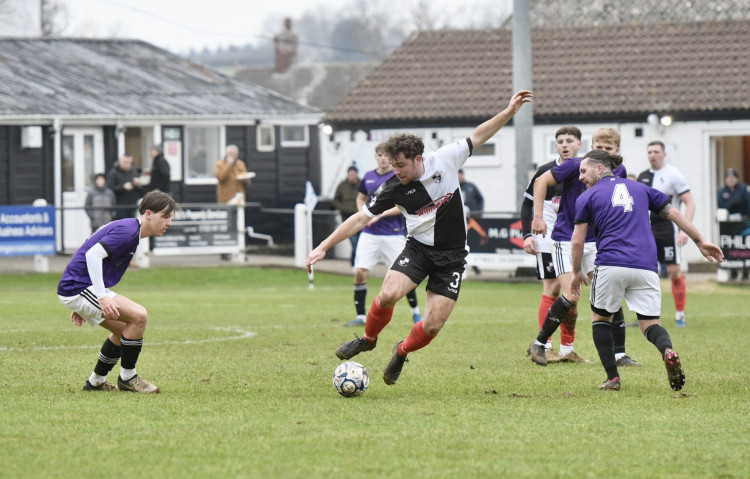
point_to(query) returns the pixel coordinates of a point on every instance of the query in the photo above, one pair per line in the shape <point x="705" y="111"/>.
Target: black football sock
<point x="360" y="296"/>
<point x="556" y="313"/>
<point x="618" y="331"/>
<point x="603" y="342"/>
<point x="108" y="357"/>
<point x="131" y="349"/>
<point x="411" y="297"/>
<point x="659" y="337"/>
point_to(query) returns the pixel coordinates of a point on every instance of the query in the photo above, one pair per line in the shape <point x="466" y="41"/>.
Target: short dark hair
<point x="96" y="176"/>
<point x="603" y="158"/>
<point x="569" y="130"/>
<point x="157" y="201"/>
<point x="657" y="142"/>
<point x="352" y="168"/>
<point x="410" y="145"/>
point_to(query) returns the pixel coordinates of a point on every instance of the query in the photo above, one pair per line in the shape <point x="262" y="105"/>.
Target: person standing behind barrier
<point x="123" y="180"/>
<point x="473" y="198"/>
<point x="735" y="198"/>
<point x="381" y="240"/>
<point x="669" y="239"/>
<point x="231" y="173"/>
<point x="345" y="200"/>
<point x="99" y="203"/>
<point x="160" y="171"/>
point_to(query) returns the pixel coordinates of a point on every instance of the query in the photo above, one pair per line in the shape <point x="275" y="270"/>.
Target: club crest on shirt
<point x="403" y="262"/>
<point x="437" y="177"/>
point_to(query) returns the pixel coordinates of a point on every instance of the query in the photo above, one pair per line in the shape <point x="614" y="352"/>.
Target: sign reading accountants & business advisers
<point x="27" y="230"/>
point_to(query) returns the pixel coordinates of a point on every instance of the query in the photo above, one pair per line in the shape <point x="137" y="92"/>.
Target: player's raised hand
<point x="315" y="255"/>
<point x="521" y="97"/>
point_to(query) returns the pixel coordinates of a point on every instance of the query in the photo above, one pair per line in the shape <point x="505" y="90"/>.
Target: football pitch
<point x="244" y="358"/>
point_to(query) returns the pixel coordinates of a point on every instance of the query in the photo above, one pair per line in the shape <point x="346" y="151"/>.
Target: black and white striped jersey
<point x="432" y="205"/>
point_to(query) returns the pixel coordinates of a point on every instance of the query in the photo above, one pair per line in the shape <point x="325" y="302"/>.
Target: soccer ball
<point x="350" y="379"/>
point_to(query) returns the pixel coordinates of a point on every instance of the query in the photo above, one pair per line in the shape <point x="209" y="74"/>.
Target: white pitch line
<point x="242" y="334"/>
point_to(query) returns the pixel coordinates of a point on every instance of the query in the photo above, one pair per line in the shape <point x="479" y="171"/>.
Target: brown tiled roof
<point x="615" y="73"/>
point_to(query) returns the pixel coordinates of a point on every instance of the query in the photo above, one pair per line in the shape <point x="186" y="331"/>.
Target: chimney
<point x="286" y="47"/>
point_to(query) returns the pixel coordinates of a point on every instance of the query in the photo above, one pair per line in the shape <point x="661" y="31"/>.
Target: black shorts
<point x="443" y="266"/>
<point x="545" y="268"/>
<point x="666" y="244"/>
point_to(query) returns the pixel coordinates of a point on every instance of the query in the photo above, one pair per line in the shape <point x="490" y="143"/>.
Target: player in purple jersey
<point x="380" y="241"/>
<point x="617" y="211"/>
<point x="606" y="139"/>
<point x="84" y="288"/>
<point x="425" y="188"/>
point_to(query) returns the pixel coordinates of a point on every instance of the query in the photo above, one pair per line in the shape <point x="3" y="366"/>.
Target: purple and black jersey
<point x="389" y="225"/>
<point x="119" y="239"/>
<point x="617" y="211"/>
<point x="567" y="174"/>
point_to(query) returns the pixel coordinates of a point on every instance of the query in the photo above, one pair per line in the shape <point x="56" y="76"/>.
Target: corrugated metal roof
<point x="123" y="78"/>
<point x="623" y="71"/>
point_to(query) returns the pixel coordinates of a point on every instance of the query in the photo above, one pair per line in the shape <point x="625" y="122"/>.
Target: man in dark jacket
<point x="160" y="171"/>
<point x="122" y="179"/>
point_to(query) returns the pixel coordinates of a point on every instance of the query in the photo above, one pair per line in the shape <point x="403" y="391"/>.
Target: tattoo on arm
<point x="664" y="211"/>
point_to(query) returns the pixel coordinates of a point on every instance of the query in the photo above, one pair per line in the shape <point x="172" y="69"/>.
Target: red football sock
<point x="544" y="304"/>
<point x="417" y="339"/>
<point x="568" y="327"/>
<point x="377" y="319"/>
<point x="678" y="292"/>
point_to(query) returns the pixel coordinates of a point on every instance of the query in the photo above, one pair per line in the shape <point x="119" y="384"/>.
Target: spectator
<point x="735" y="195"/>
<point x="123" y="180"/>
<point x="160" y="171"/>
<point x="232" y="175"/>
<point x="473" y="199"/>
<point x="99" y="203"/>
<point x="345" y="200"/>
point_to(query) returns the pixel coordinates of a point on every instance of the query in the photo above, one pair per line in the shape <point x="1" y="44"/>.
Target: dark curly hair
<point x="409" y="145"/>
<point x="603" y="158"/>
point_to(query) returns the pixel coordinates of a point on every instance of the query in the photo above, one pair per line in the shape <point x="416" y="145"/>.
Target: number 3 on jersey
<point x="621" y="197"/>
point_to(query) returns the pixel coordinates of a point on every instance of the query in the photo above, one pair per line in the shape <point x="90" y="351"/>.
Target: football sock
<point x="568" y="328"/>
<point x="618" y="332"/>
<point x="544" y="304"/>
<point x="556" y="312"/>
<point x="411" y="297"/>
<point x="131" y="349"/>
<point x="360" y="296"/>
<point x="377" y="319"/>
<point x="108" y="357"/>
<point x="603" y="342"/>
<point x="96" y="379"/>
<point x="659" y="337"/>
<point x="678" y="292"/>
<point x="417" y="339"/>
<point x="127" y="374"/>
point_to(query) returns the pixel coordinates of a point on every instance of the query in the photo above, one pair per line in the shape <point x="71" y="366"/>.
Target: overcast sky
<point x="180" y="25"/>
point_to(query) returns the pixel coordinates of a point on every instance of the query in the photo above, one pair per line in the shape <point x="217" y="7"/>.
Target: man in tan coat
<point x="232" y="175"/>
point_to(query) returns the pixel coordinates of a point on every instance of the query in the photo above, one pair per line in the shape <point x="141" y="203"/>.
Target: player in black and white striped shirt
<point x="425" y="189"/>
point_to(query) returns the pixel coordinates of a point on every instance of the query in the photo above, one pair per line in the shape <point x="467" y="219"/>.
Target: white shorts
<point x="563" y="259"/>
<point x="86" y="305"/>
<point x="374" y="249"/>
<point x="639" y="287"/>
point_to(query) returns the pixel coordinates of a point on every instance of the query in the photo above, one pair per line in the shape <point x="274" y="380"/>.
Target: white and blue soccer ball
<point x="351" y="379"/>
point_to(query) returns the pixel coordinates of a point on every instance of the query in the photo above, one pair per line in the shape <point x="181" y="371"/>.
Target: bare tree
<point x="54" y="17"/>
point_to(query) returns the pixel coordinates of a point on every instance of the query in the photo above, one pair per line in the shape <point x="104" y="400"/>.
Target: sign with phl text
<point x="497" y="244"/>
<point x="27" y="230"/>
<point x="734" y="241"/>
<point x="198" y="229"/>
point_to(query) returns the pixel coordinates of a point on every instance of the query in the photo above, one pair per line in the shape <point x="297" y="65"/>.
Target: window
<point x="294" y="135"/>
<point x="203" y="151"/>
<point x="266" y="138"/>
<point x="485" y="155"/>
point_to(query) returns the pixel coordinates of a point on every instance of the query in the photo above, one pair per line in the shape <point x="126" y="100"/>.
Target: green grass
<point x="244" y="358"/>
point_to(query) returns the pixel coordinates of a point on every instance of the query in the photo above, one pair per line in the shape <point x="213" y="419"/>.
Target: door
<point x="82" y="158"/>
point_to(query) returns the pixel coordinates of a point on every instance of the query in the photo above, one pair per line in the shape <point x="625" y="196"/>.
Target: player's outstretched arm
<point x="354" y="223"/>
<point x="487" y="130"/>
<point x="709" y="250"/>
